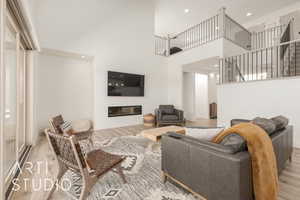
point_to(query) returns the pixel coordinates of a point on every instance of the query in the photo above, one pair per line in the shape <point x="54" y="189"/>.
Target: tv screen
<point x="123" y="84"/>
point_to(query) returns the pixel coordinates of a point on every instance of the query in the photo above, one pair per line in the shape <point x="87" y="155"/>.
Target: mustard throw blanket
<point x="264" y="167"/>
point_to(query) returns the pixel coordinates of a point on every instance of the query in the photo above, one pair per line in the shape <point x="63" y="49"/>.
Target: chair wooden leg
<point x="164" y="177"/>
<point x="91" y="143"/>
<point x="87" y="185"/>
<point x="120" y="172"/>
<point x="291" y="159"/>
<point x="60" y="174"/>
<point x="85" y="191"/>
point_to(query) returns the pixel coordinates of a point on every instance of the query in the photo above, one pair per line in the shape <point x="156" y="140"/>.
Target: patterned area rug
<point x="142" y="170"/>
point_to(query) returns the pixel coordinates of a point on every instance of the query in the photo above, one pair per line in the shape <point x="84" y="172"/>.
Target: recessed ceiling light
<point x="82" y="56"/>
<point x="186" y="10"/>
<point x="249" y="14"/>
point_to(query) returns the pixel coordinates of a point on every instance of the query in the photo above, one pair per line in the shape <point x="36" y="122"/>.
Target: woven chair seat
<point x="101" y="161"/>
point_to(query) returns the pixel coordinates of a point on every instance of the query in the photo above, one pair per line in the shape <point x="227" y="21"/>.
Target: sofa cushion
<point x="167" y="109"/>
<point x="266" y="124"/>
<point x="280" y="122"/>
<point x="203" y="133"/>
<point x="82" y="125"/>
<point x="169" y="117"/>
<point x="235" y="141"/>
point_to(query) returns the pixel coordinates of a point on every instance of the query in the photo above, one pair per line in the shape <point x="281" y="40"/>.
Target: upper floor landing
<point x="220" y="25"/>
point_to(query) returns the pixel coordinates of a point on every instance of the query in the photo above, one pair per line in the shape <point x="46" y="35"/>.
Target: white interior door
<point x="201" y="96"/>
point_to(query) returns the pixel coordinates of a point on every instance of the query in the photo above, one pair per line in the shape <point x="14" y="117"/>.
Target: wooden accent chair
<point x="55" y="125"/>
<point x="91" y="167"/>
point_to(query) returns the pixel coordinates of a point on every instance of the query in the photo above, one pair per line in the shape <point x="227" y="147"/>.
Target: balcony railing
<point x="206" y="31"/>
<point x="268" y="37"/>
<point x="262" y="64"/>
<point x="218" y="26"/>
<point x="213" y="28"/>
<point x="161" y="45"/>
<point x="237" y="33"/>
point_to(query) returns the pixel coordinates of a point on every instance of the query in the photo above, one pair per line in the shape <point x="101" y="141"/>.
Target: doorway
<point x="200" y="90"/>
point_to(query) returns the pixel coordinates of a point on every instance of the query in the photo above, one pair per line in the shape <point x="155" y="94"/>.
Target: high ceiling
<point x="171" y="18"/>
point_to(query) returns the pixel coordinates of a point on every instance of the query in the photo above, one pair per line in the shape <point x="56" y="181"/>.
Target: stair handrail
<point x="285" y="37"/>
<point x="260" y="39"/>
<point x="261" y="64"/>
<point x="288" y="26"/>
<point x="237" y="68"/>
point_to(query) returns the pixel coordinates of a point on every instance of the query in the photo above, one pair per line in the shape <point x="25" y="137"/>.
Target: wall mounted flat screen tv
<point x="123" y="84"/>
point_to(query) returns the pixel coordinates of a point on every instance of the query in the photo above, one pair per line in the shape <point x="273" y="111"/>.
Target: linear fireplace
<point x="117" y="111"/>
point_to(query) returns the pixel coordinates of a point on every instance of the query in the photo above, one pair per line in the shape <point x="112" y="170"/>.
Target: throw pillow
<point x="280" y="121"/>
<point x="266" y="124"/>
<point x="235" y="141"/>
<point x="203" y="133"/>
<point x="67" y="129"/>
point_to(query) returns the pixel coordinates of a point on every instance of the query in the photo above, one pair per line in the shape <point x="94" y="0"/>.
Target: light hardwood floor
<point x="289" y="179"/>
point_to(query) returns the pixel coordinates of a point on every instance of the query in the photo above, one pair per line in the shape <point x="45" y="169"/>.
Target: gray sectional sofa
<point x="216" y="171"/>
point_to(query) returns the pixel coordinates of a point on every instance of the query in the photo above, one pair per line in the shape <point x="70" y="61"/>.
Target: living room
<point x="104" y="99"/>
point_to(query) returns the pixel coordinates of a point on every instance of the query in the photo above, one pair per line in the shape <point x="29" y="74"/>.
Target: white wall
<point x="217" y="48"/>
<point x="201" y="96"/>
<point x="120" y="35"/>
<point x="280" y="16"/>
<point x="176" y="62"/>
<point x="262" y="98"/>
<point x="189" y="95"/>
<point x="273" y="17"/>
<point x="64" y="85"/>
<point x="231" y="49"/>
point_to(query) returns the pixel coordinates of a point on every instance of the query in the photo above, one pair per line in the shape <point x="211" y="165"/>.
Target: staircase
<point x="274" y="60"/>
<point x="270" y="53"/>
<point x="291" y="60"/>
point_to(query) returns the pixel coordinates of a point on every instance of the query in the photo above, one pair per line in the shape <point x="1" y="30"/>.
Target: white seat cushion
<point x="81" y="125"/>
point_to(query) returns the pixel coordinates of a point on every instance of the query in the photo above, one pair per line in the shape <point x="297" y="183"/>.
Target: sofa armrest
<point x="158" y="114"/>
<point x="207" y="168"/>
<point x="179" y="113"/>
